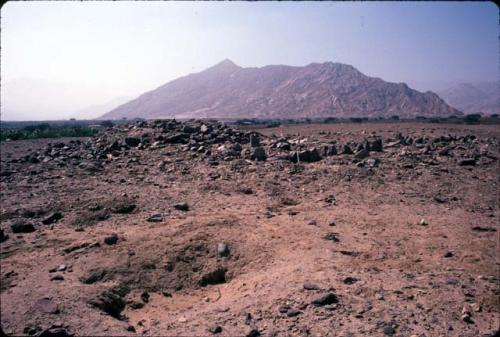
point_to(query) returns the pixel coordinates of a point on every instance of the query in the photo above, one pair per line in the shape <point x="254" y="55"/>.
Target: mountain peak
<point x="226" y="64"/>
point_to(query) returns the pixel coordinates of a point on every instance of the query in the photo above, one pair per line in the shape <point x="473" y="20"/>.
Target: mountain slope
<point x="471" y="98"/>
<point x="316" y="90"/>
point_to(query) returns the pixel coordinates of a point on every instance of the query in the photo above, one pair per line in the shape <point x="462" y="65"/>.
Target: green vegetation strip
<point x="46" y="131"/>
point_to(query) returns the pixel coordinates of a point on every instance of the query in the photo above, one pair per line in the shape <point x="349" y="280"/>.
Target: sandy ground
<point x="409" y="247"/>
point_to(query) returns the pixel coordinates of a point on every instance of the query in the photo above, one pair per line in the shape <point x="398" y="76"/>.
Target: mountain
<point x="472" y="98"/>
<point x="276" y="91"/>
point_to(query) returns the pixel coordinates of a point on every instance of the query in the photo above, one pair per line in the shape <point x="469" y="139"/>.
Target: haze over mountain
<point x="277" y="91"/>
<point x="473" y="97"/>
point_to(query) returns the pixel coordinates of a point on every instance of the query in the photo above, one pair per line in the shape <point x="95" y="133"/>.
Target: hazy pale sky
<point x="58" y="58"/>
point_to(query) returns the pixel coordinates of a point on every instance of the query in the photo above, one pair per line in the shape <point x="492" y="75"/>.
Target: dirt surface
<point x="168" y="229"/>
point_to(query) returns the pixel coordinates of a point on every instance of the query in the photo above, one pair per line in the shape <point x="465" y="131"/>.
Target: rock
<point x="372" y="162"/>
<point x="331" y="236"/>
<point x="331" y="199"/>
<point x="111" y="239"/>
<point x="222" y="249"/>
<point x="467" y="318"/>
<point x="254" y="140"/>
<point x="325" y="299"/>
<point x="259" y="154"/>
<point x="350" y="280"/>
<point x="310" y="286"/>
<point x="22" y="227"/>
<point x="215" y="277"/>
<point x="440" y="199"/>
<point x="306" y="156"/>
<point x="376" y="145"/>
<point x="448" y="254"/>
<point x="132" y="141"/>
<point x="346" y="149"/>
<point x="54" y="217"/>
<point x="329" y="150"/>
<point x="155" y="218"/>
<point x="3" y="236"/>
<point x="57" y="278"/>
<point x="361" y="154"/>
<point x="131" y="328"/>
<point x="467" y="162"/>
<point x="55" y="332"/>
<point x="483" y="229"/>
<point x="111" y="301"/>
<point x="182" y="207"/>
<point x="293" y="312"/>
<point x="46" y="306"/>
<point x="94" y="276"/>
<point x="423" y="222"/>
<point x="124" y="208"/>
<point x="252" y="332"/>
<point x="145" y="297"/>
<point x="215" y="329"/>
<point x="389" y="330"/>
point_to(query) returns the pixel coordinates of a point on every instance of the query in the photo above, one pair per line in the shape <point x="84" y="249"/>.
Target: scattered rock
<point x="467" y="162"/>
<point x="155" y="218"/>
<point x="350" y="280"/>
<point x="215" y="277"/>
<point x="331" y="236"/>
<point x="124" y="208"/>
<point x="325" y="299"/>
<point x="95" y="275"/>
<point x="111" y="239"/>
<point x="57" y="278"/>
<point x="222" y="249"/>
<point x="55" y="332"/>
<point x="182" y="207"/>
<point x="448" y="254"/>
<point x="22" y="227"/>
<point x="111" y="301"/>
<point x="259" y="154"/>
<point x="310" y="286"/>
<point x="3" y="236"/>
<point x="54" y="217"/>
<point x="215" y="329"/>
<point x="145" y="297"/>
<point x="361" y="154"/>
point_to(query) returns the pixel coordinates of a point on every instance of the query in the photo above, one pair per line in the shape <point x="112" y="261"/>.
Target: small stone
<point x="310" y="286"/>
<point x="54" y="217"/>
<point x="22" y="227"/>
<point x="467" y="318"/>
<point x="350" y="280"/>
<point x="252" y="332"/>
<point x="145" y="297"/>
<point x="448" y="254"/>
<point x="259" y="154"/>
<point x="325" y="299"/>
<point x="293" y="313"/>
<point x="111" y="239"/>
<point x="155" y="218"/>
<point x="46" y="305"/>
<point x="215" y="329"/>
<point x="131" y="328"/>
<point x="331" y="237"/>
<point x="182" y="319"/>
<point x="222" y="249"/>
<point x="182" y="207"/>
<point x="389" y="330"/>
<point x="467" y="162"/>
<point x="423" y="222"/>
<point x="379" y="296"/>
<point x="57" y="278"/>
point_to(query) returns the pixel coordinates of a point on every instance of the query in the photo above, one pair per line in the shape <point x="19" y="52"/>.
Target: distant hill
<point x="276" y="91"/>
<point x="472" y="98"/>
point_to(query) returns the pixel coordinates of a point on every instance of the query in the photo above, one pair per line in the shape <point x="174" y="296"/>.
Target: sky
<point x="74" y="59"/>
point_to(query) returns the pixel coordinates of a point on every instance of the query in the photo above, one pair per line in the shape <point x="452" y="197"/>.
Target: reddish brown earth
<point x="436" y="277"/>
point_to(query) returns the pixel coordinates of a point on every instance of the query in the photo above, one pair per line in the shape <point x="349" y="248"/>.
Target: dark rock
<point x="440" y="199"/>
<point x="331" y="236"/>
<point x="372" y="162"/>
<point x="467" y="162"/>
<point x="111" y="239"/>
<point x="362" y="154"/>
<point x="3" y="236"/>
<point x="55" y="332"/>
<point x="132" y="141"/>
<point x="307" y="156"/>
<point x="376" y="145"/>
<point x="331" y="199"/>
<point x="350" y="280"/>
<point x="145" y="297"/>
<point x="111" y="301"/>
<point x="169" y="266"/>
<point x="177" y="138"/>
<point x="310" y="286"/>
<point x="54" y="217"/>
<point x="131" y="328"/>
<point x="483" y="229"/>
<point x="215" y="277"/>
<point x="215" y="329"/>
<point x="293" y="313"/>
<point x="329" y="150"/>
<point x="389" y="330"/>
<point x="253" y="332"/>
<point x="347" y="149"/>
<point x="94" y="276"/>
<point x="155" y="218"/>
<point x="448" y="254"/>
<point x="222" y="249"/>
<point x="325" y="299"/>
<point x="57" y="278"/>
<point x="259" y="154"/>
<point x="22" y="227"/>
<point x="182" y="207"/>
<point x="124" y="208"/>
<point x="254" y="140"/>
